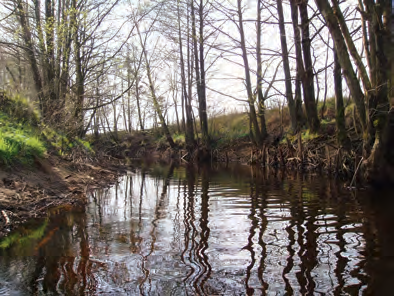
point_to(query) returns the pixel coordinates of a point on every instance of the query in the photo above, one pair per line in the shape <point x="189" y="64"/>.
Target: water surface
<point x="169" y="230"/>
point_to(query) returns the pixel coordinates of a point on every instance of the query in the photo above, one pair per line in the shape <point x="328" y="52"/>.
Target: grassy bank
<point x="20" y="143"/>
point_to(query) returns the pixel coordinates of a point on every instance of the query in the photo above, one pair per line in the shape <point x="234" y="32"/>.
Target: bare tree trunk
<point x="342" y="138"/>
<point x="27" y="38"/>
<point x="129" y="93"/>
<point x="153" y="93"/>
<point x="344" y="60"/>
<point x="307" y="78"/>
<point x="286" y="68"/>
<point x="261" y="99"/>
<point x="299" y="67"/>
<point x="115" y="135"/>
<point x="189" y="132"/>
<point x="200" y="71"/>
<point x="174" y="99"/>
<point x="79" y="77"/>
<point x="251" y="98"/>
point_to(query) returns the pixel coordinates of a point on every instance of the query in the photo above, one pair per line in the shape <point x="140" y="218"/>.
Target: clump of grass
<point x="20" y="109"/>
<point x="18" y="142"/>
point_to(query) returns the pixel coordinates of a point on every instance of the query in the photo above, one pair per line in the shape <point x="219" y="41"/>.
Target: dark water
<point x="236" y="231"/>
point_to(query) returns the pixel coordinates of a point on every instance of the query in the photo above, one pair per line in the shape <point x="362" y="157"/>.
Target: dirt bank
<point x="27" y="193"/>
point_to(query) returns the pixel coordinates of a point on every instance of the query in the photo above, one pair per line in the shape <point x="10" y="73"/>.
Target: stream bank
<point x="52" y="183"/>
<point x="317" y="153"/>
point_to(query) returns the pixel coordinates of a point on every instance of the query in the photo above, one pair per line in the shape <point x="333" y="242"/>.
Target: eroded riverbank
<point x="27" y="193"/>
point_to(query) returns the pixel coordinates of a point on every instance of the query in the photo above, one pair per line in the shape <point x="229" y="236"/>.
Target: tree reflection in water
<point x="208" y="231"/>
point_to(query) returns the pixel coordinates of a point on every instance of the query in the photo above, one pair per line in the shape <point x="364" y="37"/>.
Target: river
<point x="238" y="230"/>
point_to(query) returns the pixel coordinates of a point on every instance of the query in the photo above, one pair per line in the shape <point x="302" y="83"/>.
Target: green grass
<point x="229" y="127"/>
<point x="19" y="143"/>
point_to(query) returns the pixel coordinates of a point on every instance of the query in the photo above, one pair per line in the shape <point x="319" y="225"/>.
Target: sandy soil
<point x="27" y="193"/>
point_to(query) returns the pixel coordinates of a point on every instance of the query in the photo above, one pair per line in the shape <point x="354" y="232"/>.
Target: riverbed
<point x="238" y="230"/>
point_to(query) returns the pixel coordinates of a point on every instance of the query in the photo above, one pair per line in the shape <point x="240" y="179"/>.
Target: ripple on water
<point x="212" y="233"/>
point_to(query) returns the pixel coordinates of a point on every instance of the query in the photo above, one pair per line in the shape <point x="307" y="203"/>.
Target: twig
<point x="183" y="157"/>
<point x="355" y="173"/>
<point x="7" y="220"/>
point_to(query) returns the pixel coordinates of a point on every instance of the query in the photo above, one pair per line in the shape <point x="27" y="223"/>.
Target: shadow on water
<point x="169" y="230"/>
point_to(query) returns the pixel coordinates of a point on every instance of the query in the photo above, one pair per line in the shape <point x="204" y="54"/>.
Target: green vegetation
<point x="63" y="145"/>
<point x="227" y="128"/>
<point x="19" y="143"/>
<point x="24" y="240"/>
<point x="23" y="138"/>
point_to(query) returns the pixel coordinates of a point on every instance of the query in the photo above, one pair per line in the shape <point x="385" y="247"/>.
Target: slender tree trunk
<point x="342" y="138"/>
<point x="307" y="79"/>
<point x="79" y="77"/>
<point x="344" y="60"/>
<point x="27" y="38"/>
<point x="251" y="98"/>
<point x="123" y="111"/>
<point x="299" y="66"/>
<point x="189" y="132"/>
<point x="153" y="94"/>
<point x="129" y="93"/>
<point x="174" y="99"/>
<point x="50" y="55"/>
<point x="200" y="73"/>
<point x="286" y="68"/>
<point x="183" y="98"/>
<point x="261" y="99"/>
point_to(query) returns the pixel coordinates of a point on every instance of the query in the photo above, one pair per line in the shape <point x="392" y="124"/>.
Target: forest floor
<point x="52" y="183"/>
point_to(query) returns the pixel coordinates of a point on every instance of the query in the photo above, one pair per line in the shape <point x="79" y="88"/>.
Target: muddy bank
<point x="27" y="193"/>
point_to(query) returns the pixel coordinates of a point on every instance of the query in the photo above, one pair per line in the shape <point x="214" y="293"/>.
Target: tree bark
<point x="286" y="68"/>
<point x="261" y="99"/>
<point x="27" y="38"/>
<point x="344" y="60"/>
<point x="153" y="93"/>
<point x="251" y="98"/>
<point x="189" y="132"/>
<point x="299" y="67"/>
<point x="342" y="137"/>
<point x="307" y="78"/>
<point x="202" y="101"/>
